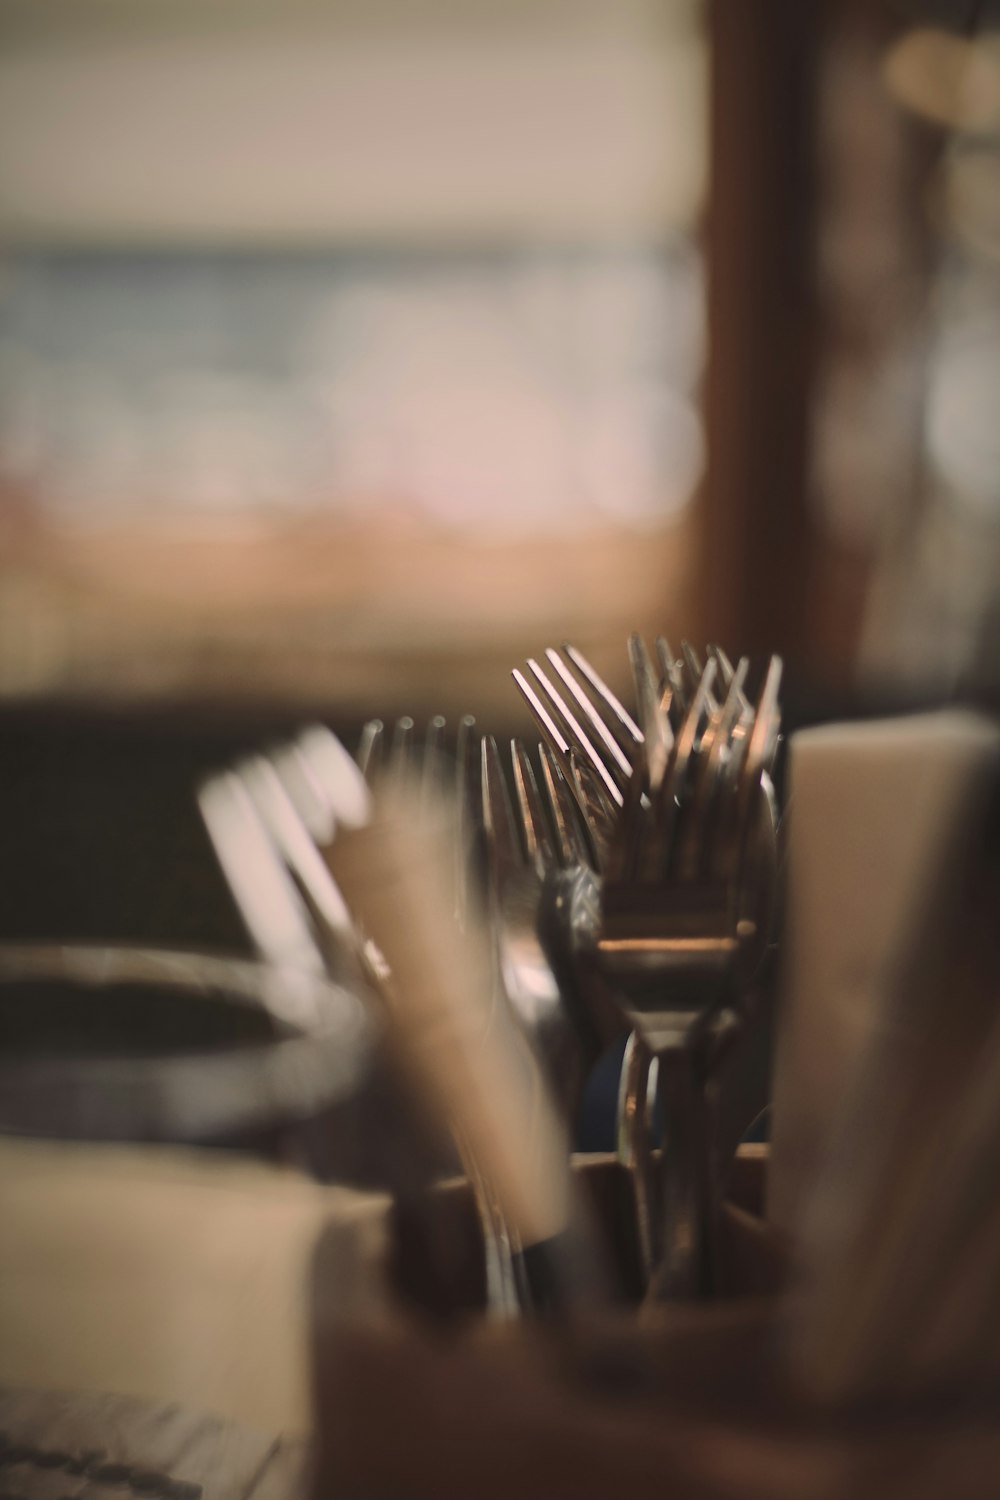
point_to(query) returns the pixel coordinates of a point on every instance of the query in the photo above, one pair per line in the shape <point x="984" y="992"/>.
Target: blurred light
<point x="946" y="78"/>
<point x="288" y="284"/>
<point x="963" y="429"/>
<point x="521" y="394"/>
<point x="302" y="125"/>
<point x="642" y="456"/>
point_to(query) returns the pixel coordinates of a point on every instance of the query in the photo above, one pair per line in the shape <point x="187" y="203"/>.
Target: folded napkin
<point x="879" y="818"/>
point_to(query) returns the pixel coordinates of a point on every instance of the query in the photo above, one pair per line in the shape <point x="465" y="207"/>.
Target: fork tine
<point x="618" y="756"/>
<point x="691" y="661"/>
<point x="267" y="898"/>
<point x="401" y="754"/>
<point x="749" y="763"/>
<point x="622" y="856"/>
<point x="573" y="845"/>
<point x="619" y="713"/>
<point x="538" y="844"/>
<point x="772" y="709"/>
<point x="670" y="677"/>
<point x="303" y="859"/>
<point x="498" y="816"/>
<point x="467" y="759"/>
<point x="305" y="792"/>
<point x="724" y="664"/>
<point x="583" y="743"/>
<point x="432" y="777"/>
<point x="701" y="702"/>
<point x="468" y="786"/>
<point x="694" y="671"/>
<point x="724" y="718"/>
<point x="337" y="775"/>
<point x="657" y="734"/>
<point x="468" y="780"/>
<point x="763" y="737"/>
<point x="370" y="750"/>
<point x="726" y="675"/>
<point x="673" y="699"/>
<point x="434" y="737"/>
<point x="601" y="816"/>
<point x="659" y="848"/>
<point x="553" y="735"/>
<point x="724" y="775"/>
<point x="695" y="839"/>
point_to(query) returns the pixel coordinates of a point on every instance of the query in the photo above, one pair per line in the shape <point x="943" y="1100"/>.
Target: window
<point x="344" y="348"/>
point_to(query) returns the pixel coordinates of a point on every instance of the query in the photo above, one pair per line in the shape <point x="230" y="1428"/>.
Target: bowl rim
<point x="324" y="1035"/>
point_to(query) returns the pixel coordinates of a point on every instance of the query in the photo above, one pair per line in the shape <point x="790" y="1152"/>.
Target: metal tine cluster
<point x="441" y="766"/>
<point x="285" y="807"/>
<point x="543" y="827"/>
<point x="669" y="794"/>
<point x="596" y="761"/>
<point x="399" y="750"/>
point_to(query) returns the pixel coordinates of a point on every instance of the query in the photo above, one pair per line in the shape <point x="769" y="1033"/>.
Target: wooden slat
<point x="761" y="322"/>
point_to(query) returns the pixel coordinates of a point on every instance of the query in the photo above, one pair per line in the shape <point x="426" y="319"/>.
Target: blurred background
<point x="351" y="352"/>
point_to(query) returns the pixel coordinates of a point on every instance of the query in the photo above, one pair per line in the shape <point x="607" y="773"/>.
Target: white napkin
<point x="878" y="815"/>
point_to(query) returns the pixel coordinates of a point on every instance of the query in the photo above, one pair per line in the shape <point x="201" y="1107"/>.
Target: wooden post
<point x="761" y="322"/>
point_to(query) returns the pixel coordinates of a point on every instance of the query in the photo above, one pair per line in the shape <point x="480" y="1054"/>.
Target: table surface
<point x="108" y="1447"/>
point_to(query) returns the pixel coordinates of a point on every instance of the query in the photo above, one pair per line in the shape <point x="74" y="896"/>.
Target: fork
<point x="675" y="934"/>
<point x="681" y="931"/>
<point x="397" y="752"/>
<point x="523" y="846"/>
<point x="619" y="741"/>
<point x="535" y="846"/>
<point x="528" y="844"/>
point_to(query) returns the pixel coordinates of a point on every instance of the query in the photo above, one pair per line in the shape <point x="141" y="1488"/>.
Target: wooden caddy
<point x="418" y="1394"/>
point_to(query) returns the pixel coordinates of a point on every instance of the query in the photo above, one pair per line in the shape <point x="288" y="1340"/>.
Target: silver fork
<point x="527" y="845"/>
<point x="398" y="751"/>
<point x="681" y="932"/>
<point x="536" y="846"/>
<point x="672" y="931"/>
<point x="621" y="743"/>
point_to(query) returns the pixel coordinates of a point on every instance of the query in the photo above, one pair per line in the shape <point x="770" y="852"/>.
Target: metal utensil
<point x="429" y="769"/>
<point x="527" y="847"/>
<point x="680" y="934"/>
<point x="467" y="1050"/>
<point x="681" y="919"/>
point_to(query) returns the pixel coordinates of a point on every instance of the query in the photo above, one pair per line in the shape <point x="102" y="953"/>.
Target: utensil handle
<point x="635" y="1147"/>
<point x="467" y="1055"/>
<point x="687" y="1239"/>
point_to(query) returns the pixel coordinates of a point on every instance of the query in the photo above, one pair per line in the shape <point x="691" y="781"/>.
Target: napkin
<point x="879" y="817"/>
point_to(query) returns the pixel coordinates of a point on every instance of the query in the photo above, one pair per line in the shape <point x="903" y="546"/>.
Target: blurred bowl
<point x="136" y="1044"/>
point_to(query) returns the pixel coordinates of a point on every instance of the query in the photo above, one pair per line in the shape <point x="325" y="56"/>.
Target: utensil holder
<point x="418" y="1394"/>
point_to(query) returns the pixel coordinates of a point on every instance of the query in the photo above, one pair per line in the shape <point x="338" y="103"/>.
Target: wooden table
<point x="56" y="1445"/>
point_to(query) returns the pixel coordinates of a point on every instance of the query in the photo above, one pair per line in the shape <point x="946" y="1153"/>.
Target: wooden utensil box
<point x="419" y="1394"/>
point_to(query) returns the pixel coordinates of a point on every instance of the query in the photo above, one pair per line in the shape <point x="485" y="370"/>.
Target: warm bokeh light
<point x="325" y="327"/>
<point x="950" y="79"/>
